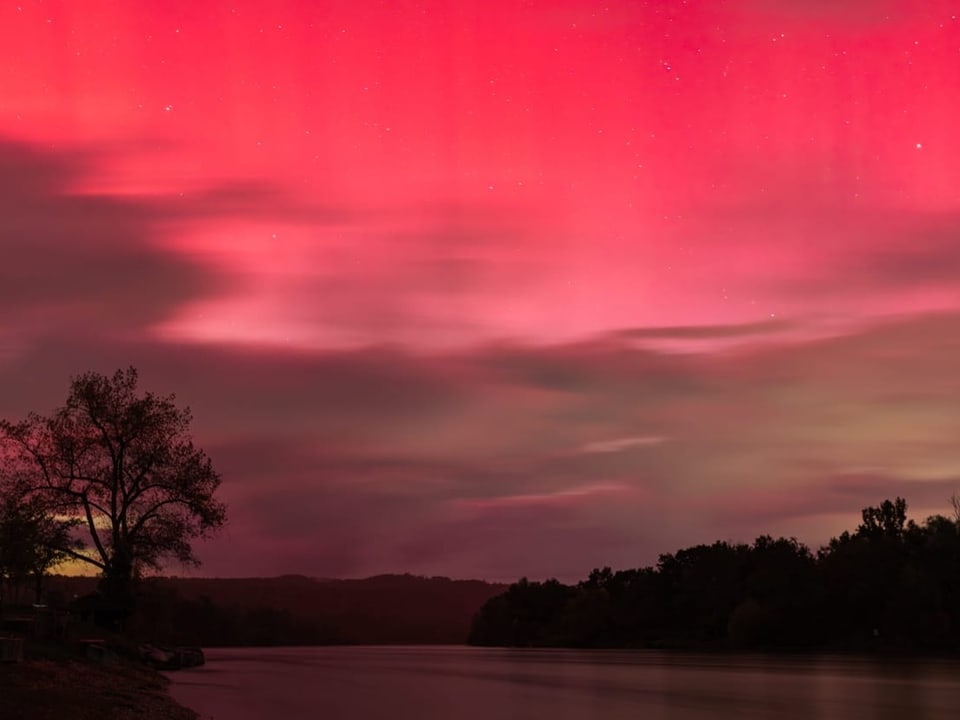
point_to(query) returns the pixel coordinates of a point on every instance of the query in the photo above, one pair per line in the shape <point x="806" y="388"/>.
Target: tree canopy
<point x="121" y="464"/>
<point x="31" y="541"/>
<point x="892" y="585"/>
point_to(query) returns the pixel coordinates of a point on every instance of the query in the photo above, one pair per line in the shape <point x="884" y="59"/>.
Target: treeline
<point x="294" y="610"/>
<point x="164" y="617"/>
<point x="891" y="585"/>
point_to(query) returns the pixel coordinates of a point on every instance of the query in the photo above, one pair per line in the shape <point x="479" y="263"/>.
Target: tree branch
<point x="80" y="556"/>
<point x="91" y="526"/>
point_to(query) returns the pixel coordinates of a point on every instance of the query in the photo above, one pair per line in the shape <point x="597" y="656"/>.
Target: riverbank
<point x="54" y="689"/>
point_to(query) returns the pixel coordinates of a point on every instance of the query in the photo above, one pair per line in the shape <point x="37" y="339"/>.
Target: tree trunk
<point x="116" y="587"/>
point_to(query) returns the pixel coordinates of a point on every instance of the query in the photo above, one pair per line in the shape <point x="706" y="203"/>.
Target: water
<point x="397" y="683"/>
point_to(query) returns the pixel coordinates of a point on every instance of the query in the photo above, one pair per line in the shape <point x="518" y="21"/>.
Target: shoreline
<point x="46" y="689"/>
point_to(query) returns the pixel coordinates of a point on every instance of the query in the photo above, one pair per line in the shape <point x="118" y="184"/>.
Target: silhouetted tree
<point x="779" y="599"/>
<point x="526" y="615"/>
<point x="705" y="584"/>
<point x="123" y="464"/>
<point x="31" y="542"/>
<point x="891" y="585"/>
<point x="861" y="576"/>
<point x="888" y="519"/>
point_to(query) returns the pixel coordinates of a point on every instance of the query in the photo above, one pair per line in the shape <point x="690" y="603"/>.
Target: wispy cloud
<point x="497" y="447"/>
<point x="563" y="496"/>
<point x="621" y="444"/>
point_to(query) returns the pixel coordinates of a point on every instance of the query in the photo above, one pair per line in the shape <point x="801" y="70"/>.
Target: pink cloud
<point x="565" y="496"/>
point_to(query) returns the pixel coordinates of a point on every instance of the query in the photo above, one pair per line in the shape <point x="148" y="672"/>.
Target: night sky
<point x="490" y="288"/>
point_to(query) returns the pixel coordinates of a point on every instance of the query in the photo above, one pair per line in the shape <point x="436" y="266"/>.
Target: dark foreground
<point x="394" y="683"/>
<point x="71" y="689"/>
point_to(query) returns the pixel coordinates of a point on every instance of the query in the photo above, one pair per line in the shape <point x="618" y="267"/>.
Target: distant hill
<point x="297" y="610"/>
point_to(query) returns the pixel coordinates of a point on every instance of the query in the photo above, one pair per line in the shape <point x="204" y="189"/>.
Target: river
<point x="400" y="683"/>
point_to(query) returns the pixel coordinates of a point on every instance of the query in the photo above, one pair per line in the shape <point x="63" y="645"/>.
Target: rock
<point x="190" y="656"/>
<point x="159" y="658"/>
<point x="163" y="658"/>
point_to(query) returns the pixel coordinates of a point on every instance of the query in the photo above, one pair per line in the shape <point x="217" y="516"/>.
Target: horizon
<point x="501" y="289"/>
<point x="185" y="574"/>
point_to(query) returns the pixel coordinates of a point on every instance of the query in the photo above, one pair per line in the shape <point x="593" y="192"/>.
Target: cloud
<point x="78" y="259"/>
<point x="423" y="274"/>
<point x="258" y="200"/>
<point x="812" y="254"/>
<point x="81" y="263"/>
<point x="564" y="496"/>
<point x="822" y="506"/>
<point x="200" y="264"/>
<point x="505" y="543"/>
<point x="511" y="460"/>
<point x="921" y="253"/>
<point x="620" y="444"/>
<point x="711" y="332"/>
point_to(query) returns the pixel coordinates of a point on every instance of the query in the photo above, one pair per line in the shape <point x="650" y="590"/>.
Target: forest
<point x="289" y="610"/>
<point x="891" y="585"/>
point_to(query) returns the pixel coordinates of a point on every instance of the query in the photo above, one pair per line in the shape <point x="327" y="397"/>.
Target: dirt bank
<point x="83" y="690"/>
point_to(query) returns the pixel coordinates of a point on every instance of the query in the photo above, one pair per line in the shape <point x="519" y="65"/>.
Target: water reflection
<point x="398" y="683"/>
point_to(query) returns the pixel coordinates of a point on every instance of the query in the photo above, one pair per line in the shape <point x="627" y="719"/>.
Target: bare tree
<point x="122" y="464"/>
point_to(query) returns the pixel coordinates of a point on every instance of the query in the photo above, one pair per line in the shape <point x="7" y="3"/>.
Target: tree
<point x="122" y="464"/>
<point x="526" y="615"/>
<point x="887" y="520"/>
<point x="32" y="541"/>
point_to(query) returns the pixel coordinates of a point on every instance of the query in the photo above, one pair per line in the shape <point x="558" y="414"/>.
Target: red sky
<point x="498" y="288"/>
